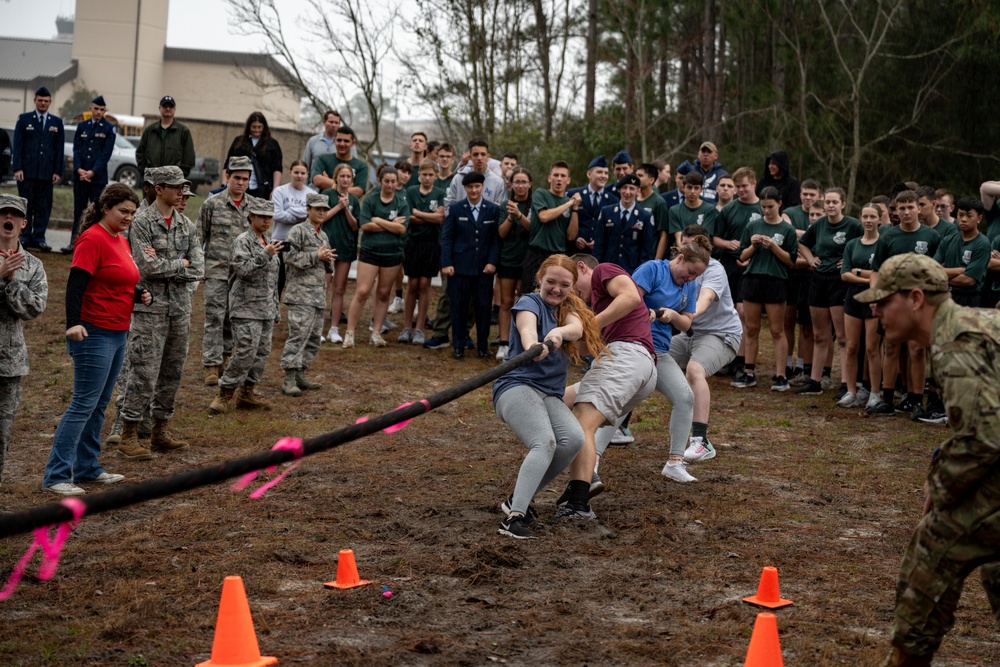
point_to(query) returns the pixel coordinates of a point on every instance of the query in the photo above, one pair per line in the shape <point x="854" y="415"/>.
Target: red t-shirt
<point x="634" y="327"/>
<point x="110" y="294"/>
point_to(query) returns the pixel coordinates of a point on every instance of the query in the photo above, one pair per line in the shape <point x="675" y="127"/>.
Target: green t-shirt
<point x="946" y="229"/>
<point x="516" y="241"/>
<point x="681" y="216"/>
<point x="341" y="236"/>
<point x="443" y="183"/>
<point x="428" y="203"/>
<point x="763" y="262"/>
<point x="734" y="220"/>
<point x="827" y="241"/>
<point x="857" y="255"/>
<point x="991" y="222"/>
<point x="798" y="216"/>
<point x="383" y="244"/>
<point x="328" y="162"/>
<point x="897" y="241"/>
<point x="550" y="237"/>
<point x="657" y="206"/>
<point x="974" y="255"/>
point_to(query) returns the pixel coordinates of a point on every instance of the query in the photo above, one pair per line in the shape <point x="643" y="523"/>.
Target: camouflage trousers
<point x="10" y="398"/>
<point x="945" y="548"/>
<point x="251" y="348"/>
<point x="157" y="350"/>
<point x="305" y="326"/>
<point x="218" y="333"/>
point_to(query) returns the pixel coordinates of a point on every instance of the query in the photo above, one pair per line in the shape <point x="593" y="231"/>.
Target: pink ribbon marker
<point x="293" y="445"/>
<point x="51" y="549"/>
<point x="403" y="424"/>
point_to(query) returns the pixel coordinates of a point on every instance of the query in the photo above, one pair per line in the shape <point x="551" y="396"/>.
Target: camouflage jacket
<point x="253" y="279"/>
<point x="165" y="275"/>
<point x="220" y="223"/>
<point x="22" y="298"/>
<point x="305" y="273"/>
<point x="964" y="359"/>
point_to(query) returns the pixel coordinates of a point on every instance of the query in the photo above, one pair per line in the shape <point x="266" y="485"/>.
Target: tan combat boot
<point x="900" y="658"/>
<point x="247" y="400"/>
<point x="302" y="383"/>
<point x="223" y="402"/>
<point x="291" y="386"/>
<point x="128" y="445"/>
<point x="161" y="441"/>
<point x="212" y="376"/>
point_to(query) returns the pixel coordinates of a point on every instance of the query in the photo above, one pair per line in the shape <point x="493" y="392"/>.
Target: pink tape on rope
<point x="293" y="445"/>
<point x="403" y="424"/>
<point x="51" y="549"/>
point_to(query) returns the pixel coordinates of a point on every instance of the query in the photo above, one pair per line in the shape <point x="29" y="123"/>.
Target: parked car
<point x="206" y="170"/>
<point x="122" y="167"/>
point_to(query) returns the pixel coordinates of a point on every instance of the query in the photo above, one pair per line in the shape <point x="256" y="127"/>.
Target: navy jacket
<point x="627" y="244"/>
<point x="587" y="214"/>
<point x="92" y="148"/>
<point x="711" y="176"/>
<point x="467" y="245"/>
<point x="38" y="151"/>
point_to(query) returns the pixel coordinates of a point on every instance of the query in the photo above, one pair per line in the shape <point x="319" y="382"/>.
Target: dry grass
<point x="826" y="495"/>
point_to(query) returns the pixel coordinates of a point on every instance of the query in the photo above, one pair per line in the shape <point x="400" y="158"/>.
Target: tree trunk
<point x="591" y="74"/>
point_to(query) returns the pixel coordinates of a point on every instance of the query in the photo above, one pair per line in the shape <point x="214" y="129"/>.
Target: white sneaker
<point x="699" y="449"/>
<point x="418" y="338"/>
<point x="826" y="382"/>
<point x="334" y="336"/>
<point x="387" y="325"/>
<point x="348" y="339"/>
<point x="677" y="471"/>
<point x="65" y="489"/>
<point x="848" y="400"/>
<point x="396" y="306"/>
<point x="377" y="340"/>
<point x="622" y="437"/>
<point x="405" y="336"/>
<point x="108" y="478"/>
<point x="502" y="352"/>
<point x="863" y="396"/>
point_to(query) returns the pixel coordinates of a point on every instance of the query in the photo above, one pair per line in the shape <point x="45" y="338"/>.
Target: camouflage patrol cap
<point x="239" y="163"/>
<point x="169" y="176"/>
<point x="263" y="207"/>
<point x="19" y="204"/>
<point x="188" y="192"/>
<point x="147" y="175"/>
<point x="906" y="272"/>
<point x="314" y="200"/>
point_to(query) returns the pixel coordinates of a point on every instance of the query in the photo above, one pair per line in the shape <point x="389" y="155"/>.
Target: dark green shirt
<point x="429" y="203"/>
<point x="657" y="206"/>
<point x="383" y="244"/>
<point x="897" y="241"/>
<point x="443" y="183"/>
<point x="328" y="162"/>
<point x="681" y="216"/>
<point x="734" y="220"/>
<point x="827" y="241"/>
<point x="551" y="236"/>
<point x="798" y="216"/>
<point x="946" y="229"/>
<point x="516" y="241"/>
<point x="992" y="221"/>
<point x="974" y="255"/>
<point x="857" y="255"/>
<point x="763" y="262"/>
<point x="342" y="237"/>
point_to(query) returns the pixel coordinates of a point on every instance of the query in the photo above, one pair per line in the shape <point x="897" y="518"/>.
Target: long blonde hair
<point x="574" y="305"/>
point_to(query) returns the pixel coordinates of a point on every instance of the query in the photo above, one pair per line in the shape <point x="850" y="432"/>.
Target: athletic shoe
<point x="387" y="325"/>
<point x="935" y="417"/>
<point x="918" y="412"/>
<point x="596" y="488"/>
<point x="799" y="378"/>
<point x="502" y="352"/>
<point x="744" y="381"/>
<point x="779" y="383"/>
<point x="811" y="388"/>
<point x="107" y="478"/>
<point x="322" y="339"/>
<point x="826" y="382"/>
<point x="863" y="396"/>
<point x="727" y="371"/>
<point x="377" y="340"/>
<point x="334" y="336"/>
<point x="65" y="489"/>
<point x="677" y="471"/>
<point x="529" y="517"/>
<point x="348" y="339"/>
<point x="905" y="406"/>
<point x="417" y="338"/>
<point x="699" y="449"/>
<point x="881" y="408"/>
<point x="622" y="436"/>
<point x="569" y="512"/>
<point x="841" y="392"/>
<point x="405" y="336"/>
<point x="343" y="319"/>
<point x="396" y="306"/>
<point x="848" y="400"/>
<point x="437" y="342"/>
<point x="516" y="527"/>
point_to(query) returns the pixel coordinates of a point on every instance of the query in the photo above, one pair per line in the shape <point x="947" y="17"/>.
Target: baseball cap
<point x="906" y="272"/>
<point x="709" y="145"/>
<point x="167" y="101"/>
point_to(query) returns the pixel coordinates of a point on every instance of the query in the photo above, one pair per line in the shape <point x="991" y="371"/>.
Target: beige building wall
<point x="104" y="45"/>
<point x="16" y="101"/>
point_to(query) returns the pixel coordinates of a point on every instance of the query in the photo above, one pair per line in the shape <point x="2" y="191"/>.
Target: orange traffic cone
<point x="347" y="572"/>
<point x="235" y="642"/>
<point x="767" y="591"/>
<point x="765" y="649"/>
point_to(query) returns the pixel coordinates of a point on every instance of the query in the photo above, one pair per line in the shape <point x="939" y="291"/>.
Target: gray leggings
<point x="671" y="382"/>
<point x="548" y="429"/>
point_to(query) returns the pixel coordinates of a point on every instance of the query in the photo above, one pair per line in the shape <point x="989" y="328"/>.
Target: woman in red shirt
<point x="99" y="298"/>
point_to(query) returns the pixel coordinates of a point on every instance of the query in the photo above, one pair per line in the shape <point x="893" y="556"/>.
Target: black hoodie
<point x="787" y="185"/>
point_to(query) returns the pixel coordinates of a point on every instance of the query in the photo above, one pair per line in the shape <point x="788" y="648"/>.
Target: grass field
<point x="828" y="496"/>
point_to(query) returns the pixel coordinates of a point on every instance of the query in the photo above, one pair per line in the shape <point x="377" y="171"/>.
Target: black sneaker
<point x="529" y="517"/>
<point x="934" y="417"/>
<point x="727" y="371"/>
<point x="597" y="487"/>
<point x="779" y="383"/>
<point x="905" y="406"/>
<point x="516" y="527"/>
<point x="568" y="511"/>
<point x="437" y="342"/>
<point x="744" y="380"/>
<point x="917" y="413"/>
<point x="811" y="388"/>
<point x="840" y="394"/>
<point x="880" y="409"/>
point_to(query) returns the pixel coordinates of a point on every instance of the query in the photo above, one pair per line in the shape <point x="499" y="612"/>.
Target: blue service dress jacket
<point x="468" y="244"/>
<point x="93" y="145"/>
<point x="626" y="242"/>
<point x="38" y="147"/>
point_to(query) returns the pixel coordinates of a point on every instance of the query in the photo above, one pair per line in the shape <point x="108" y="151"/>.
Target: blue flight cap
<point x="43" y="92"/>
<point x="598" y="161"/>
<point x="99" y="101"/>
<point x="628" y="179"/>
<point x="622" y="158"/>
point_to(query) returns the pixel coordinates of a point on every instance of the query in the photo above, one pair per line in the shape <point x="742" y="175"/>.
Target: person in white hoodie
<point x="289" y="210"/>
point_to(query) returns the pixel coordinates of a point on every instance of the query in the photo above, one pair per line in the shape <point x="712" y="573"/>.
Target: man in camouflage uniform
<point x="158" y="339"/>
<point x="960" y="530"/>
<point x="253" y="305"/>
<point x="23" y="294"/>
<point x="223" y="217"/>
<point x="308" y="259"/>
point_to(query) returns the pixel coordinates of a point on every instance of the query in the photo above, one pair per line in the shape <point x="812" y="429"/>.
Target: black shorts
<point x="764" y="289"/>
<point x="734" y="272"/>
<point x="421" y="259"/>
<point x="969" y="299"/>
<point x="379" y="260"/>
<point x="827" y="290"/>
<point x="510" y="272"/>
<point x="798" y="281"/>
<point x="862" y="311"/>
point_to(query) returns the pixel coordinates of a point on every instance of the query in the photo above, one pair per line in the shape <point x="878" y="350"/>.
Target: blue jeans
<point x="96" y="362"/>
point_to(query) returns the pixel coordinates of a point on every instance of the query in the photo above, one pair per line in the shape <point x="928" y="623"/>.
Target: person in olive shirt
<point x="341" y="228"/>
<point x="651" y="200"/>
<point x="323" y="166"/>
<point x="692" y="210"/>
<point x="965" y="256"/>
<point x="553" y="222"/>
<point x="927" y="213"/>
<point x="796" y="307"/>
<point x="908" y="236"/>
<point x="514" y="228"/>
<point x="422" y="255"/>
<point x="770" y="247"/>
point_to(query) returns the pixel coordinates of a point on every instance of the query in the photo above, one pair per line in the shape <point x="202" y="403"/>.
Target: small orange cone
<point x="235" y="643"/>
<point x="347" y="572"/>
<point x="767" y="591"/>
<point x="765" y="649"/>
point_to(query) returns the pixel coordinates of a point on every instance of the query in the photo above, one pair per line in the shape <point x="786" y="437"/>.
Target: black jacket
<point x="787" y="185"/>
<point x="266" y="158"/>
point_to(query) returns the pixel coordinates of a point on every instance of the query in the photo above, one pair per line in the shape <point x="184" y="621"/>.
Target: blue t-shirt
<point x="662" y="292"/>
<point x="548" y="375"/>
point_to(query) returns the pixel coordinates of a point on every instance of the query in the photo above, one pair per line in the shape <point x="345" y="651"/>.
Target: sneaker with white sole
<point x="405" y="336"/>
<point x="567" y="511"/>
<point x="334" y="336"/>
<point x="65" y="489"/>
<point x="744" y="381"/>
<point x="826" y="382"/>
<point x="863" y="396"/>
<point x="418" y="337"/>
<point x="396" y="306"/>
<point x="699" y="449"/>
<point x="622" y="436"/>
<point x="529" y="517"/>
<point x="502" y="352"/>
<point x="107" y="478"/>
<point x="515" y="526"/>
<point x="779" y="383"/>
<point x="387" y="326"/>
<point x="848" y="400"/>
<point x="677" y="471"/>
<point x="377" y="340"/>
<point x="348" y="339"/>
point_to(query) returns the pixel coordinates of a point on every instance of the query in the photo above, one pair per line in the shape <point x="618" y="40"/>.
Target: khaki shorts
<point x="617" y="383"/>
<point x="712" y="351"/>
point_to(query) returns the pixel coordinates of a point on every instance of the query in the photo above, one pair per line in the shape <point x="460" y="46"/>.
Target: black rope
<point x="47" y="515"/>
